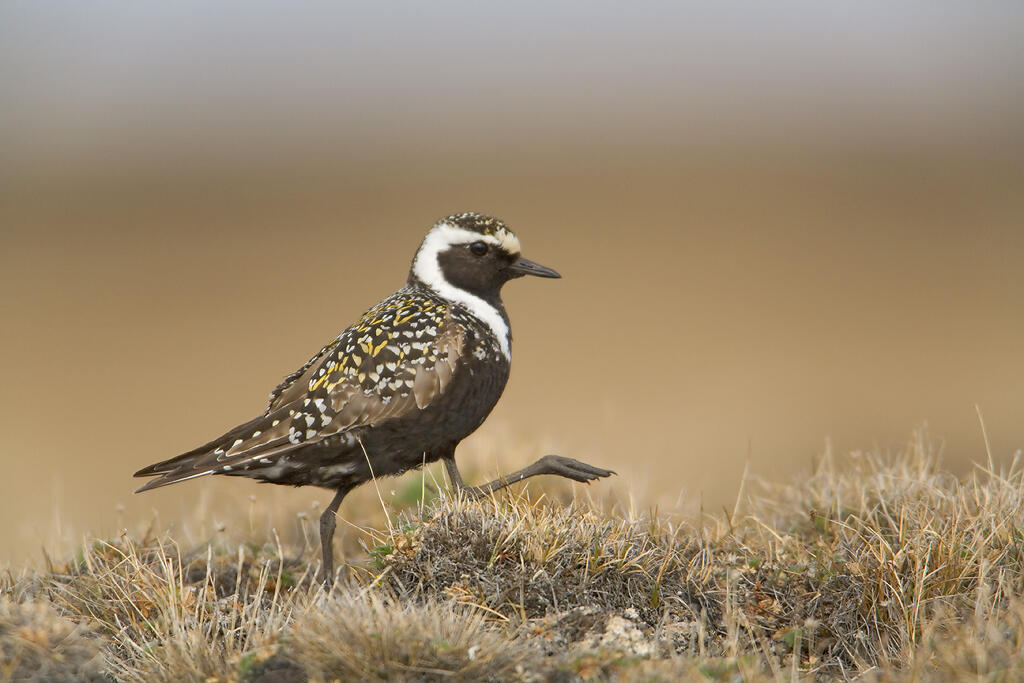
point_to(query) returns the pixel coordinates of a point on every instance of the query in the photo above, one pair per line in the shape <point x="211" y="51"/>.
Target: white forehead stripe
<point x="447" y="234"/>
<point x="506" y="241"/>
<point x="428" y="271"/>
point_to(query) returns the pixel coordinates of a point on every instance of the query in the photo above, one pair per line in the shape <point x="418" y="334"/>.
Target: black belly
<point x="396" y="445"/>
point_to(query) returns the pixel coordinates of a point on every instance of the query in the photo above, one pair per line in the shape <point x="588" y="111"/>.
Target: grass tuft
<point x="366" y="636"/>
<point x="37" y="643"/>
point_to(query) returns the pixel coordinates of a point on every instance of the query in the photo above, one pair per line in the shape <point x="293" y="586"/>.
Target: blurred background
<point x="780" y="225"/>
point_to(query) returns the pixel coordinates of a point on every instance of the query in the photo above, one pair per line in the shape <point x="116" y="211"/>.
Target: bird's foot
<point x="572" y="469"/>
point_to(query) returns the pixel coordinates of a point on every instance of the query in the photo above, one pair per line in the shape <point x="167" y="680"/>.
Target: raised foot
<point x="573" y="469"/>
<point x="549" y="464"/>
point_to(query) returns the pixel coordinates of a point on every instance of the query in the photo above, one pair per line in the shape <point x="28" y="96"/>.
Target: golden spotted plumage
<point x="415" y="375"/>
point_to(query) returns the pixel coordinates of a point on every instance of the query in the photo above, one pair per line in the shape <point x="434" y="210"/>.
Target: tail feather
<point x="172" y="478"/>
<point x="257" y="438"/>
<point x="178" y="461"/>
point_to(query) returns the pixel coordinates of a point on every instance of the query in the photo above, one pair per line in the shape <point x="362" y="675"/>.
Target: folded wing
<point x="400" y="358"/>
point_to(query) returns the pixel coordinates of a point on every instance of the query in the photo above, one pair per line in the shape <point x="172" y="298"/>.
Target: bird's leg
<point x="549" y="464"/>
<point x="454" y="476"/>
<point x="328" y="520"/>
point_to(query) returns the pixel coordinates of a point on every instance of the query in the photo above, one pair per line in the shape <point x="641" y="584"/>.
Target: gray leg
<point x="549" y="464"/>
<point x="328" y="520"/>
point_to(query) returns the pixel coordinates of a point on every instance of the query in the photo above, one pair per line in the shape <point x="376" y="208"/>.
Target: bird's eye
<point x="478" y="248"/>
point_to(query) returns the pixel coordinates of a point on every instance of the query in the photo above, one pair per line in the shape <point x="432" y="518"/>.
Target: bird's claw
<point x="574" y="469"/>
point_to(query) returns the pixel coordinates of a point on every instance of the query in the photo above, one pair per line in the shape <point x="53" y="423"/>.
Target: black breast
<point x="476" y="386"/>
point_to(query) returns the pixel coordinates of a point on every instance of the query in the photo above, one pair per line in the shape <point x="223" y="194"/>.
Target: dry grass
<point x="872" y="568"/>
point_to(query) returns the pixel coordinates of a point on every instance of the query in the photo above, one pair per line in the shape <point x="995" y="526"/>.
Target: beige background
<point x="773" y="231"/>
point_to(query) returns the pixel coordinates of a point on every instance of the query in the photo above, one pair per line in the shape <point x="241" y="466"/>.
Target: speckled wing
<point x="399" y="358"/>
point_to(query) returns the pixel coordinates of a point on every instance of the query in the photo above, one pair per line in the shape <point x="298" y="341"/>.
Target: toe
<point x="576" y="470"/>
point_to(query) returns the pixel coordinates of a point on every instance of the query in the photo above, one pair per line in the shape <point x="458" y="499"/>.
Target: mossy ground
<point x="871" y="568"/>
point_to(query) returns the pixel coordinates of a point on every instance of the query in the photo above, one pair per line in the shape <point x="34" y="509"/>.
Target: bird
<point x="400" y="388"/>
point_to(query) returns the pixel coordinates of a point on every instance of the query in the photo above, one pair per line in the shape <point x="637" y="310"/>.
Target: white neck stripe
<point x="427" y="270"/>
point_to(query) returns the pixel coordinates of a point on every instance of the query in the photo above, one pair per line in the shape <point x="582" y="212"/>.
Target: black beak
<point x="524" y="266"/>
